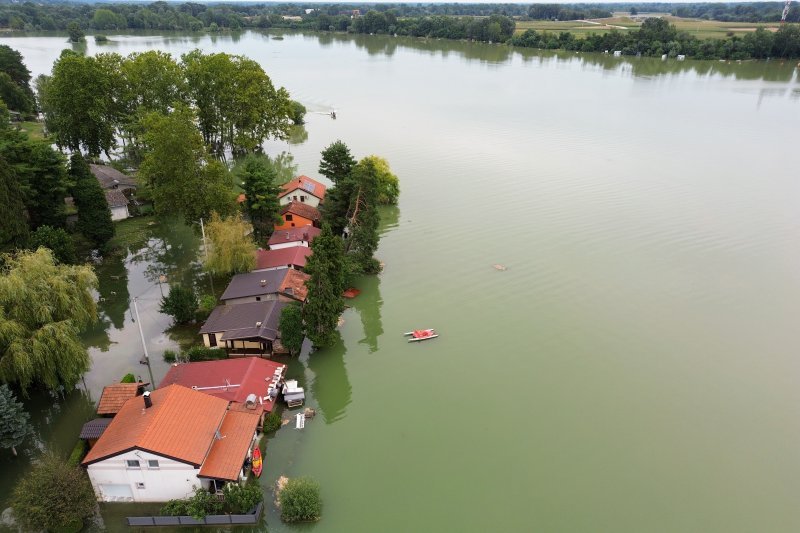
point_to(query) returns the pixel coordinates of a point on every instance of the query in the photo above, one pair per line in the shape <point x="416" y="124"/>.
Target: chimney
<point x="147" y="401"/>
<point x="263" y="283"/>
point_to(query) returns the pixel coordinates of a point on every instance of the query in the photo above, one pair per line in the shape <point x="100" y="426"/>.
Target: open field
<point x="703" y="29"/>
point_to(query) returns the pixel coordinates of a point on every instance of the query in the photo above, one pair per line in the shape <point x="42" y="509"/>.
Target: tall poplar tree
<point x="363" y="218"/>
<point x="261" y="195"/>
<point x="13" y="226"/>
<point x="94" y="215"/>
<point x="324" y="304"/>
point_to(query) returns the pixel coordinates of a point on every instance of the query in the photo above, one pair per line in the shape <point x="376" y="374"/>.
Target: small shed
<point x="92" y="430"/>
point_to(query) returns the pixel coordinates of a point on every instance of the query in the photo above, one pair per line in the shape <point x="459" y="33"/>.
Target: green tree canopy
<point x="388" y="184"/>
<point x="363" y="218"/>
<point x="94" y="215"/>
<point x="78" y="103"/>
<point x="300" y="500"/>
<point x="14" y="420"/>
<point x="336" y="163"/>
<point x="76" y="34"/>
<point x="13" y="226"/>
<point x="232" y="249"/>
<point x="57" y="240"/>
<point x="261" y="195"/>
<point x="53" y="496"/>
<point x="292" y="329"/>
<point x="184" y="178"/>
<point x="181" y="304"/>
<point x="105" y="19"/>
<point x="43" y="308"/>
<point x="326" y="266"/>
<point x="238" y="108"/>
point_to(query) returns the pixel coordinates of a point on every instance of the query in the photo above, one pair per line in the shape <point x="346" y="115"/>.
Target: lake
<point x="634" y="368"/>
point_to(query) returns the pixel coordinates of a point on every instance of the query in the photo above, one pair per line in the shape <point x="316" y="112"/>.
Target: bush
<point x="100" y="39"/>
<point x="58" y="240"/>
<point x="272" y="422"/>
<point x="53" y="496"/>
<point x="300" y="500"/>
<point x="77" y="453"/>
<point x="170" y="356"/>
<point x="242" y="499"/>
<point x="180" y="304"/>
<point x="202" y="353"/>
<point x="128" y="378"/>
<point x="207" y="304"/>
<point x="174" y="508"/>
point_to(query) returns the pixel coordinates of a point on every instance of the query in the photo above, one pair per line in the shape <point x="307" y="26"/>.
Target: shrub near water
<point x="300" y="500"/>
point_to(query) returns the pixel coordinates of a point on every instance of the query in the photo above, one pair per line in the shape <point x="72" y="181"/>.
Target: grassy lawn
<point x="35" y="130"/>
<point x="702" y="29"/>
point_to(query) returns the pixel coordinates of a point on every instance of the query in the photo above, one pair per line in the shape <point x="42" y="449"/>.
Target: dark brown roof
<point x="302" y="233"/>
<point x="301" y="209"/>
<point x="252" y="320"/>
<point x="111" y="178"/>
<point x="115" y="198"/>
<point x="94" y="428"/>
<point x="254" y="284"/>
<point x="114" y="397"/>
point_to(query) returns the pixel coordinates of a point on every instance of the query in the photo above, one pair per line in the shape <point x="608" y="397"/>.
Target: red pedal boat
<point x="421" y="335"/>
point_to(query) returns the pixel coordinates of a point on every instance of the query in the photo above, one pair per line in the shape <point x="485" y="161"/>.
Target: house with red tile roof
<point x="162" y="445"/>
<point x="297" y="236"/>
<point x="304" y="190"/>
<point x="296" y="214"/>
<point x="114" y="397"/>
<point x="293" y="257"/>
<point x="235" y="380"/>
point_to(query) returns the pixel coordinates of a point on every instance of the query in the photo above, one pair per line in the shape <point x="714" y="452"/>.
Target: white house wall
<point x="119" y="213"/>
<point x="289" y="244"/>
<point x="297" y="194"/>
<point x="171" y="480"/>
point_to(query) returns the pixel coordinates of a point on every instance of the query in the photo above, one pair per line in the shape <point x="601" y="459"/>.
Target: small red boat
<point x="258" y="463"/>
<point x="421" y="335"/>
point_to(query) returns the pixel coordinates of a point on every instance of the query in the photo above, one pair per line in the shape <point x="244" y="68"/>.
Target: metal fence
<point x="210" y="520"/>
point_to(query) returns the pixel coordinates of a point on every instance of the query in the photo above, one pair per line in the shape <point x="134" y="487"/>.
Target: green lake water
<point x="636" y="366"/>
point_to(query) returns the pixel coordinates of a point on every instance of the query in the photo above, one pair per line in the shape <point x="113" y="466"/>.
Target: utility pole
<point x="144" y="345"/>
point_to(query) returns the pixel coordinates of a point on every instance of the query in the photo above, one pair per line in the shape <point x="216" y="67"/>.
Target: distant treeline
<point x="388" y="18"/>
<point x="657" y="37"/>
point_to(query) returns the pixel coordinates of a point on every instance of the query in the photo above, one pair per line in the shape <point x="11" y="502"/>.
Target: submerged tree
<point x="43" y="308"/>
<point x="94" y="215"/>
<point x="326" y="266"/>
<point x="181" y="304"/>
<point x="57" y="240"/>
<point x="184" y="178"/>
<point x="363" y="219"/>
<point x="232" y="249"/>
<point x="261" y="195"/>
<point x="291" y="328"/>
<point x="14" y="420"/>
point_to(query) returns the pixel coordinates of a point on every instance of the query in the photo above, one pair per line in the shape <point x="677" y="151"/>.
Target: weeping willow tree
<point x="232" y="248"/>
<point x="43" y="308"/>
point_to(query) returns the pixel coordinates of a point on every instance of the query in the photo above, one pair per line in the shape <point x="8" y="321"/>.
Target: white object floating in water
<point x="300" y="421"/>
<point x="500" y="267"/>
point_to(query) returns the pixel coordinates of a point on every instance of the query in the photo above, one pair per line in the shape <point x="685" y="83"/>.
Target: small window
<point x="302" y="198"/>
<point x="152" y="463"/>
<point x="139" y="485"/>
<point x="133" y="463"/>
<point x="212" y="339"/>
<point x="289" y="218"/>
<point x="258" y="298"/>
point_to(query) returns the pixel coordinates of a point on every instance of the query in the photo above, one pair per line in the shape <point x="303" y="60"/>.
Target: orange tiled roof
<point x="306" y="185"/>
<point x="227" y="455"/>
<point x="114" y="397"/>
<point x="294" y="284"/>
<point x="180" y="425"/>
